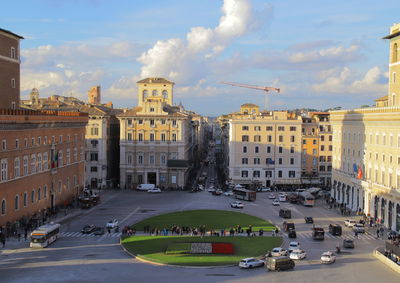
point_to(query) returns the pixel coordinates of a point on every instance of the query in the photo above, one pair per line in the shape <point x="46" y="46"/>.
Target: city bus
<point x="306" y="199"/>
<point x="244" y="194"/>
<point x="44" y="235"/>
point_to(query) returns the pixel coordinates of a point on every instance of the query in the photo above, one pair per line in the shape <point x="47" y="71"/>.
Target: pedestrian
<point x="109" y="230"/>
<point x="26" y="234"/>
<point x="3" y="239"/>
<point x="19" y="236"/>
<point x="381" y="231"/>
<point x="356" y="234"/>
<point x="377" y="233"/>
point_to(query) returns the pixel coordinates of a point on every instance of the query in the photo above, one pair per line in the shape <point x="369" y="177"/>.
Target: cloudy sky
<point x="320" y="53"/>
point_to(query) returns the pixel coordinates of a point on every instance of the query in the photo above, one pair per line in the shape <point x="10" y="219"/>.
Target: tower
<point x="394" y="65"/>
<point x="94" y="95"/>
<point x="34" y="96"/>
<point x="155" y="89"/>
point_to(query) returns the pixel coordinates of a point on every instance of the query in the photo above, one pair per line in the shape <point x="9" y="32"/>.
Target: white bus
<point x="44" y="235"/>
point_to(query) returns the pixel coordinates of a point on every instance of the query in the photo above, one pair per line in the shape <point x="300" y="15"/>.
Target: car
<point x="87" y="229"/>
<point x="237" y="204"/>
<point x="282" y="198"/>
<point x="359" y="228"/>
<point x="271" y="196"/>
<point x="112" y="224"/>
<point x="292" y="233"/>
<point x="285" y="213"/>
<point x="276" y="202"/>
<point x="251" y="262"/>
<point x="328" y="257"/>
<point x="349" y="223"/>
<point x="335" y="229"/>
<point x="298" y="254"/>
<point x="99" y="231"/>
<point x="288" y="226"/>
<point x="293" y="246"/>
<point x="263" y="189"/>
<point x="348" y="244"/>
<point x="217" y="192"/>
<point x="309" y="219"/>
<point x="228" y="193"/>
<point x="211" y="190"/>
<point x="278" y="251"/>
<point x="155" y="190"/>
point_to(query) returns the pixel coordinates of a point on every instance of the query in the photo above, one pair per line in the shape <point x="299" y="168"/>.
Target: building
<point x="158" y="141"/>
<point x="9" y="69"/>
<point x="264" y="147"/>
<point x="42" y="161"/>
<point x="94" y="95"/>
<point x="366" y="151"/>
<point x="316" y="149"/>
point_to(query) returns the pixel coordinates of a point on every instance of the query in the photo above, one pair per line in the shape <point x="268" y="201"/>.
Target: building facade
<point x="366" y="151"/>
<point x="42" y="161"/>
<point x="9" y="69"/>
<point x="157" y="140"/>
<point x="264" y="147"/>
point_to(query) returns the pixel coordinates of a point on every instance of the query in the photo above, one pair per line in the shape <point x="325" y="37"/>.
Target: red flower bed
<point x="222" y="248"/>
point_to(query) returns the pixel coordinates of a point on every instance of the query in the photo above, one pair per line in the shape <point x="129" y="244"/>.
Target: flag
<point x="360" y="173"/>
<point x="355" y="168"/>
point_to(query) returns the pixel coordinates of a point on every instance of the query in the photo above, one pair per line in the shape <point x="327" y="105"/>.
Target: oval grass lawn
<point x="212" y="219"/>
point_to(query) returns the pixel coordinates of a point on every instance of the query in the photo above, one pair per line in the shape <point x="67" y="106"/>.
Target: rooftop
<point x="155" y="80"/>
<point x="11" y="33"/>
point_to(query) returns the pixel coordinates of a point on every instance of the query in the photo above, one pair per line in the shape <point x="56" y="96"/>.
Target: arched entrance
<point x="376" y="204"/>
<point x="398" y="217"/>
<point x="390" y="215"/>
<point x="383" y="207"/>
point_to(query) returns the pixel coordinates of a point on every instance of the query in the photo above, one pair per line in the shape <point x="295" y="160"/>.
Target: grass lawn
<point x="212" y="219"/>
<point x="153" y="248"/>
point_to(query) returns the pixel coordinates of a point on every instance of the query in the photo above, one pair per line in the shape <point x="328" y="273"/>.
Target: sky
<point x="321" y="54"/>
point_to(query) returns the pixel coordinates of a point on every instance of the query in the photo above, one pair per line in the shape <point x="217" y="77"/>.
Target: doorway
<point x="152" y="178"/>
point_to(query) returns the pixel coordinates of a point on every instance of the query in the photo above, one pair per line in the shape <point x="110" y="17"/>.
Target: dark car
<point x="335" y="229"/>
<point x="288" y="226"/>
<point x="285" y="213"/>
<point x="99" y="231"/>
<point x="292" y="233"/>
<point x="87" y="229"/>
<point x="309" y="219"/>
<point x="348" y="244"/>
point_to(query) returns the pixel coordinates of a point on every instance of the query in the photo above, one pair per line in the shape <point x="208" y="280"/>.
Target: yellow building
<point x="366" y="151"/>
<point x="264" y="147"/>
<point x="158" y="141"/>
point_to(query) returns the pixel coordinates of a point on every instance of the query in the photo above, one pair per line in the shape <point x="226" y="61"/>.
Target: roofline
<point x="390" y="36"/>
<point x="9" y="32"/>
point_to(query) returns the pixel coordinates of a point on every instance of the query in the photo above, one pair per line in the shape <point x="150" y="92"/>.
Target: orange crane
<point x="264" y="88"/>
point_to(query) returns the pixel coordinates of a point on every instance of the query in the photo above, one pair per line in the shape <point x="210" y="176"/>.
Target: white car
<point x="294" y="246"/>
<point x="282" y="198"/>
<point x="237" y="204"/>
<point x="359" y="228"/>
<point x="276" y="203"/>
<point x="112" y="224"/>
<point x="263" y="189"/>
<point x="251" y="262"/>
<point x="328" y="257"/>
<point x="155" y="190"/>
<point x="271" y="196"/>
<point x="298" y="254"/>
<point x="211" y="189"/>
<point x="228" y="193"/>
<point x="278" y="252"/>
<point x="350" y="223"/>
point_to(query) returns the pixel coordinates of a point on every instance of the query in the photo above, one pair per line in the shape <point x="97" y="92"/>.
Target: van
<point x="146" y="187"/>
<point x="285" y="213"/>
<point x="279" y="263"/>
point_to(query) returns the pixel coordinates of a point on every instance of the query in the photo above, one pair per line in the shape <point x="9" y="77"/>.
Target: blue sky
<point x="321" y="54"/>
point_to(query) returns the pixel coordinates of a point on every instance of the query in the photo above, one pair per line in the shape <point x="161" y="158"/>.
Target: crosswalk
<point x="347" y="236"/>
<point x="81" y="235"/>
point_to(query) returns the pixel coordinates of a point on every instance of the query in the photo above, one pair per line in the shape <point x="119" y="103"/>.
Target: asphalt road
<point x="78" y="258"/>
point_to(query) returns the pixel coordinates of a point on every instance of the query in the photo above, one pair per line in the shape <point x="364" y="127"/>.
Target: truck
<point x="318" y="233"/>
<point x="146" y="187"/>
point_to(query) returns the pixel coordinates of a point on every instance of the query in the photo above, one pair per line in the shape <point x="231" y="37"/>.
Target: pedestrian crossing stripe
<point x="81" y="235"/>
<point x="363" y="236"/>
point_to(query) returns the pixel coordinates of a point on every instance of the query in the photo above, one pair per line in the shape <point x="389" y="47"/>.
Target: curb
<point x="386" y="261"/>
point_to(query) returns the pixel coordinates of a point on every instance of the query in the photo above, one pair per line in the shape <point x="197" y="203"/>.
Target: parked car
<point x="359" y="228"/>
<point x="279" y="263"/>
<point x="309" y="219"/>
<point x="328" y="257"/>
<point x="228" y="193"/>
<point x="298" y="254"/>
<point x="155" y="190"/>
<point x="335" y="229"/>
<point x="112" y="224"/>
<point x="99" y="231"/>
<point x="237" y="204"/>
<point x="276" y="202"/>
<point x="293" y="246"/>
<point x="263" y="189"/>
<point x="217" y="192"/>
<point x="349" y="223"/>
<point x="348" y="244"/>
<point x="87" y="229"/>
<point x="250" y="262"/>
<point x="278" y="252"/>
<point x="211" y="189"/>
<point x="271" y="196"/>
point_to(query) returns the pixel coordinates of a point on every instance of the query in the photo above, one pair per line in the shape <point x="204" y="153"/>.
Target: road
<point x="78" y="258"/>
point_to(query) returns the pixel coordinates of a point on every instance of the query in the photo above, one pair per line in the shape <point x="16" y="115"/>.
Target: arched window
<point x="45" y="191"/>
<point x="25" y="199"/>
<point x="33" y="196"/>
<point x="155" y="92"/>
<point x="3" y="207"/>
<point x="16" y="202"/>
<point x="145" y="93"/>
<point x="39" y="194"/>
<point x="394" y="59"/>
<point x="165" y="94"/>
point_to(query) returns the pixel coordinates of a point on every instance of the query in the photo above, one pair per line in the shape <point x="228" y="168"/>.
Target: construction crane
<point x="264" y="88"/>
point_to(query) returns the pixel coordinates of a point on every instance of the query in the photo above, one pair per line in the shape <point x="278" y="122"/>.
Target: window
<point x="68" y="157"/>
<point x="304" y="142"/>
<point x="45" y="191"/>
<point x="256" y="149"/>
<point x="257" y="128"/>
<point x="152" y="122"/>
<point x="314" y="151"/>
<point x="174" y="137"/>
<point x="140" y="137"/>
<point x="140" y="121"/>
<point x="12" y="83"/>
<point x="151" y="159"/>
<point x="165" y="94"/>
<point x="163" y="122"/>
<point x="163" y="159"/>
<point x="94" y="143"/>
<point x="245" y="128"/>
<point x="59" y="186"/>
<point x="291" y="161"/>
<point x="322" y="147"/>
<point x="129" y="136"/>
<point x="25" y="165"/>
<point x="13" y="54"/>
<point x="140" y="159"/>
<point x="16" y="202"/>
<point x="292" y="149"/>
<point x="245" y="138"/>
<point x="292" y="129"/>
<point x="280" y="138"/>
<point x="152" y="136"/>
<point x="60" y="158"/>
<point x="39" y="194"/>
<point x="269" y="138"/>
<point x="154" y="92"/>
<point x="129" y="159"/>
<point x="256" y="161"/>
<point x="268" y="174"/>
<point x="173" y="122"/>
<point x="322" y="138"/>
<point x="39" y="140"/>
<point x="3" y="144"/>
<point x="292" y="138"/>
<point x="75" y="154"/>
<point x="269" y="161"/>
<point x="330" y="137"/>
<point x="3" y="207"/>
<point x="33" y="196"/>
<point x="314" y="142"/>
<point x="94" y="156"/>
<point x="16" y="144"/>
<point x="245" y="174"/>
<point x="25" y="199"/>
<point x="256" y="174"/>
<point x="45" y="161"/>
<point x="245" y="149"/>
<point x="163" y="137"/>
<point x="26" y="143"/>
<point x="257" y="138"/>
<point x="279" y="174"/>
<point x="39" y="162"/>
<point x="269" y="128"/>
<point x="4" y="170"/>
<point x="17" y="171"/>
<point x="94" y="131"/>
<point x="280" y="149"/>
<point x="60" y="139"/>
<point x="395" y="52"/>
<point x="292" y="174"/>
<point x="279" y="160"/>
<point x="245" y="161"/>
<point x="281" y="128"/>
<point x="268" y="149"/>
<point x="151" y="109"/>
<point x="129" y="122"/>
<point x="330" y="147"/>
<point x="32" y="141"/>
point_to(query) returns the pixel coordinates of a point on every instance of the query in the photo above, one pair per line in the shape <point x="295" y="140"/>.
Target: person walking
<point x="3" y="239"/>
<point x="377" y="233"/>
<point x="26" y="234"/>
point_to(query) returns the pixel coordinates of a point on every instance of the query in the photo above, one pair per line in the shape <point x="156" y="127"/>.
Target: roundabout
<point x="201" y="238"/>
